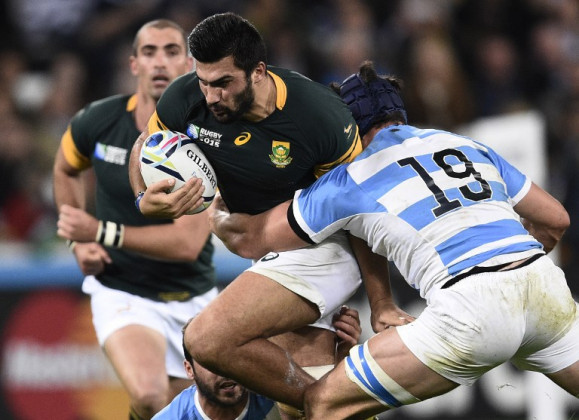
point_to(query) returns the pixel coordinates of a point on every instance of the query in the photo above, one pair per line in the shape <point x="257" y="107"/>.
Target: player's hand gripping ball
<point x="169" y="154"/>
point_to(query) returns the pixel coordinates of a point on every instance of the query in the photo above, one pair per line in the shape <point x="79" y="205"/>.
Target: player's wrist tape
<point x="138" y="200"/>
<point x="70" y="244"/>
<point x="110" y="234"/>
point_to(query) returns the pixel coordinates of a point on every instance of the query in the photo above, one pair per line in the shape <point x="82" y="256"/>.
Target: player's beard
<point x="213" y="394"/>
<point x="242" y="103"/>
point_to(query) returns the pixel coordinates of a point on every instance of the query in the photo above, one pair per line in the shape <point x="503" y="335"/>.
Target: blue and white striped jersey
<point x="433" y="202"/>
<point x="186" y="406"/>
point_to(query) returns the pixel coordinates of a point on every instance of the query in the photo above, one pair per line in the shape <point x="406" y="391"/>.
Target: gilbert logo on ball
<point x="170" y="154"/>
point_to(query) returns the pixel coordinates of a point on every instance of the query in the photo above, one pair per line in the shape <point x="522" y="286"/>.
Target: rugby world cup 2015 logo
<point x="193" y="131"/>
<point x="280" y="153"/>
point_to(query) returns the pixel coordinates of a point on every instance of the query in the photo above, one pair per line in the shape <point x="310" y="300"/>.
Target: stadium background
<point x="504" y="71"/>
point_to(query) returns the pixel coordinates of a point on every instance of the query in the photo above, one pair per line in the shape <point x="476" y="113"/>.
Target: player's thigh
<point x="325" y="274"/>
<point x="381" y="373"/>
<point x="114" y="310"/>
<point x="253" y="306"/>
<point x="137" y="354"/>
<point x="560" y="361"/>
<point x="404" y="368"/>
<point x="568" y="379"/>
<point x="309" y="346"/>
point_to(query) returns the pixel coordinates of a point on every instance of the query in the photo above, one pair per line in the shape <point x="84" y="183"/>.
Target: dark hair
<point x="372" y="99"/>
<point x="228" y="34"/>
<point x="186" y="353"/>
<point x="159" y="24"/>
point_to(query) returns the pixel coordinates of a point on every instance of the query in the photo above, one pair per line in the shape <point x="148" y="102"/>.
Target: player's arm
<point x="543" y="216"/>
<point x="375" y="274"/>
<point x="253" y="236"/>
<point x="68" y="185"/>
<point x="137" y="182"/>
<point x="69" y="192"/>
<point x="182" y="240"/>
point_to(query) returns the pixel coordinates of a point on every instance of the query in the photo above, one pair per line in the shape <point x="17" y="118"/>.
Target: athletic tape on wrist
<point x="138" y="200"/>
<point x="110" y="234"/>
<point x="70" y="244"/>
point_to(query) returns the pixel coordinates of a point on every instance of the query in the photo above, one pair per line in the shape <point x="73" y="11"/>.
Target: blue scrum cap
<point x="370" y="102"/>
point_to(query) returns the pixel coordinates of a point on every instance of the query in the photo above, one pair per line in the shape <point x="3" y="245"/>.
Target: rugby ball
<point x="170" y="154"/>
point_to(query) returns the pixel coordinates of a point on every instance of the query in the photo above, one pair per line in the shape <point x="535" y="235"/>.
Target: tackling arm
<point x="254" y="236"/>
<point x="543" y="216"/>
<point x="374" y="269"/>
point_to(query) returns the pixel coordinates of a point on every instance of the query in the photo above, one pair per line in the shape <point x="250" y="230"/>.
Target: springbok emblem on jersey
<point x="280" y="153"/>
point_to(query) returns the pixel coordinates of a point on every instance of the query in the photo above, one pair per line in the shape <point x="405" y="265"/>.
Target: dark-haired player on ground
<point x="267" y="131"/>
<point x="146" y="277"/>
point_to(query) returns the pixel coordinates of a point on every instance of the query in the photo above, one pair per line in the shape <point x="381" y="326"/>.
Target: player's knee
<point x="316" y="403"/>
<point x="205" y="343"/>
<point x="148" y="400"/>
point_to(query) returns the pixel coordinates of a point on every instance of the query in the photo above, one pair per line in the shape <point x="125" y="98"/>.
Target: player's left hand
<point x="386" y="314"/>
<point x="157" y="202"/>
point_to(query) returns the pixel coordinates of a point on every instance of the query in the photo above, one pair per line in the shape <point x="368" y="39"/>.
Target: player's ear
<point x="259" y="73"/>
<point x="133" y="65"/>
<point x="189" y="369"/>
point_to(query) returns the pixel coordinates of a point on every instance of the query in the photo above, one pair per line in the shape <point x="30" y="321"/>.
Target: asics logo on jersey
<point x="242" y="138"/>
<point x="212" y="138"/>
<point x="348" y="129"/>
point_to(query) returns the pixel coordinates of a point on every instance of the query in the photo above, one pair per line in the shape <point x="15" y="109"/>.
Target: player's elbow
<point x="246" y="246"/>
<point x="561" y="224"/>
<point x="251" y="253"/>
<point x="558" y="222"/>
<point x="549" y="233"/>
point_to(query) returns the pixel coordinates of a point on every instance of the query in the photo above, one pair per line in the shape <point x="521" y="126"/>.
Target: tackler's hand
<point x="386" y="314"/>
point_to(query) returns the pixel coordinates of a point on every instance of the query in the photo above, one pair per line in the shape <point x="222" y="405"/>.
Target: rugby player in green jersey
<point x="146" y="277"/>
<point x="267" y="131"/>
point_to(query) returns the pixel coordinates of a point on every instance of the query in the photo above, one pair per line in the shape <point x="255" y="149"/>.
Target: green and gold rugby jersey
<point x="260" y="164"/>
<point x="101" y="135"/>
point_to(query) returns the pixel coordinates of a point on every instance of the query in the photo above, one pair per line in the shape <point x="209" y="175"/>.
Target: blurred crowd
<point x="460" y="60"/>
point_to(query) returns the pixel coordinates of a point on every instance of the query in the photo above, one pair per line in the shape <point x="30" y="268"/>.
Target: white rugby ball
<point x="170" y="154"/>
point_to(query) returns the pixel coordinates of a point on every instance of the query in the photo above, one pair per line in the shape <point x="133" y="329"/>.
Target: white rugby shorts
<point x="114" y="309"/>
<point x="325" y="274"/>
<point x="526" y="316"/>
